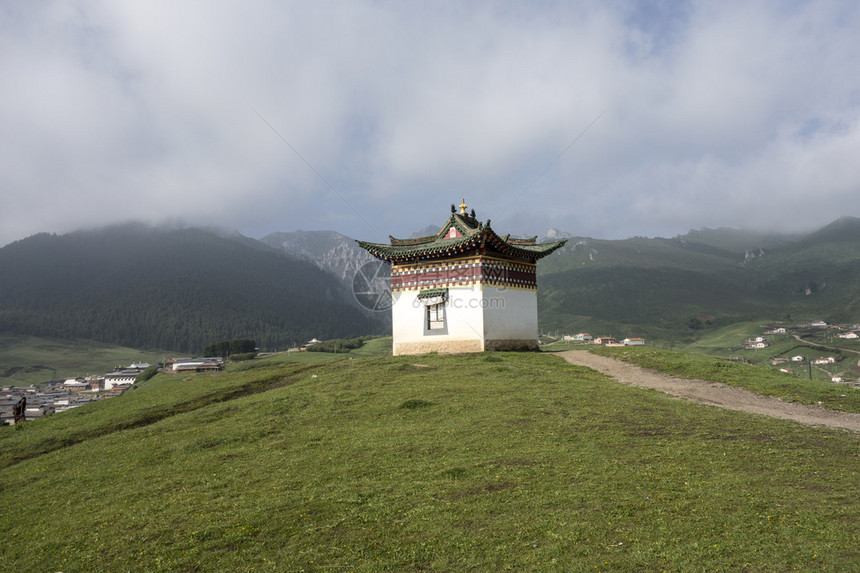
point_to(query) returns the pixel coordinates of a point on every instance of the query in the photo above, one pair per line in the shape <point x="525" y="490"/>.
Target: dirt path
<point x="714" y="393"/>
<point x="798" y="338"/>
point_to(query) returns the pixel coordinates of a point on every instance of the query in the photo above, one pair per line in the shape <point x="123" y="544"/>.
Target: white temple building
<point x="464" y="289"/>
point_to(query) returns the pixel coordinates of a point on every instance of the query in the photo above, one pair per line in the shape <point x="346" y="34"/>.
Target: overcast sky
<point x="603" y="119"/>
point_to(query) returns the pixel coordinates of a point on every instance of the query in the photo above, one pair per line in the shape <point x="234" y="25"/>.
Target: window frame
<point x="434" y="316"/>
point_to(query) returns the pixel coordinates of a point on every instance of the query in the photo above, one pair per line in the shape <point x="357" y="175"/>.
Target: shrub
<point x="243" y="356"/>
<point x="148" y="373"/>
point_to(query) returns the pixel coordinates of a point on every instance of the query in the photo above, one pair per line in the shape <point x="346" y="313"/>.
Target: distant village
<point x="792" y="364"/>
<point x="32" y="402"/>
<point x="603" y="340"/>
<point x="843" y="331"/>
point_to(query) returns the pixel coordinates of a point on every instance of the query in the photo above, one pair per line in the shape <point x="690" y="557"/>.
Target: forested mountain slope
<point x="176" y="289"/>
<point x="181" y="289"/>
<point x="670" y="288"/>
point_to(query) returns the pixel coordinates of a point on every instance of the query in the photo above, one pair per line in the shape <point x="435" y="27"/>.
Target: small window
<point x="435" y="316"/>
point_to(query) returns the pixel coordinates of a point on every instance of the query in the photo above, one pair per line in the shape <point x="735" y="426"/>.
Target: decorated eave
<point x="460" y="235"/>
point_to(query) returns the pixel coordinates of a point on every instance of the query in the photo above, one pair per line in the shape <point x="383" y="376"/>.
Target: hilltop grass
<point x="761" y="380"/>
<point x="448" y="463"/>
<point x="156" y="399"/>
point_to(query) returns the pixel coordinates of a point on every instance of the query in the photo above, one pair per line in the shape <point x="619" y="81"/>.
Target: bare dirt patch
<point x="714" y="393"/>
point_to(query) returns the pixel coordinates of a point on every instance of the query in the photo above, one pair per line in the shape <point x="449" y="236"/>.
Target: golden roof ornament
<point x="463" y="207"/>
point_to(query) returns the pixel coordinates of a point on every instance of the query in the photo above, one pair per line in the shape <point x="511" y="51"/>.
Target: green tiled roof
<point x="474" y="235"/>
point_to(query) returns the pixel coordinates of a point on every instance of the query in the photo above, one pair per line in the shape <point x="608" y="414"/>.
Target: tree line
<point x="225" y="348"/>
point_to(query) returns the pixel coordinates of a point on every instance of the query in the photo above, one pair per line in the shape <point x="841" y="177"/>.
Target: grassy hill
<point x="485" y="462"/>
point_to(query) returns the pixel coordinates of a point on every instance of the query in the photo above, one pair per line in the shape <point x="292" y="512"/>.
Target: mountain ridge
<point x="670" y="289"/>
<point x="662" y="288"/>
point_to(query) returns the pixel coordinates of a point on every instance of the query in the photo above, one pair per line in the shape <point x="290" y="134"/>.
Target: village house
<point x="827" y="360"/>
<point x="95" y="383"/>
<point x="76" y="385"/>
<point x="211" y="364"/>
<point x="119" y="378"/>
<point x="123" y="377"/>
<point x="580" y="337"/>
<point x="847" y="335"/>
<point x="38" y="410"/>
<point x="604" y="340"/>
<point x="464" y="289"/>
<point x="633" y="342"/>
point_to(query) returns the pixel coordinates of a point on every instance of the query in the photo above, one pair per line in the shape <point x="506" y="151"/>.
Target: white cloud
<point x="715" y="114"/>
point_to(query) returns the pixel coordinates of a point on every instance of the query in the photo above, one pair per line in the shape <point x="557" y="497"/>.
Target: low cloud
<point x="371" y="118"/>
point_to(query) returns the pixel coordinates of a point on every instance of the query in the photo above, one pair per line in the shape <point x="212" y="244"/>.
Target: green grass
<point x="561" y="345"/>
<point x="761" y="380"/>
<point x="727" y="340"/>
<point x="380" y="346"/>
<point x="26" y="360"/>
<point x="158" y="398"/>
<point x="446" y="463"/>
<point x="29" y="360"/>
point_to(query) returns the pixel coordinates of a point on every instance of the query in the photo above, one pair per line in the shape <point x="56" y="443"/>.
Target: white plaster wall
<point x="473" y="316"/>
<point x="407" y="320"/>
<point x="464" y="321"/>
<point x="466" y="317"/>
<point x="510" y="314"/>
